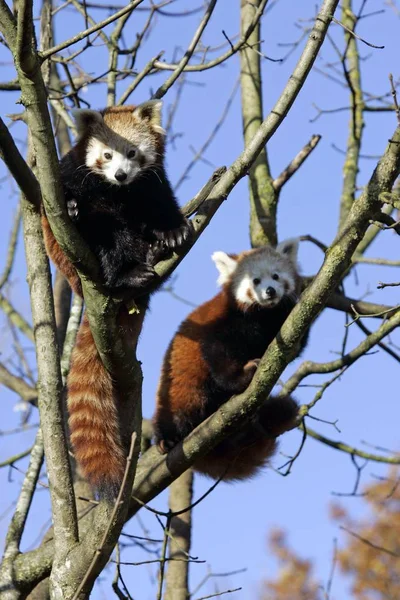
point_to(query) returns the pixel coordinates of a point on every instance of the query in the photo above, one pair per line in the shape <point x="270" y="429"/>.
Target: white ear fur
<point x="226" y="266"/>
<point x="151" y="111"/>
<point x="84" y="118"/>
<point x="289" y="248"/>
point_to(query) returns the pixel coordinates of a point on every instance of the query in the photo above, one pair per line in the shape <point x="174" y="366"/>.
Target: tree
<point x="75" y="551"/>
<point x="295" y="577"/>
<point x="369" y="553"/>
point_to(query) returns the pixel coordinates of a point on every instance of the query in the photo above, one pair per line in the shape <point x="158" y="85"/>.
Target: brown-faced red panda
<point x="121" y="201"/>
<point x="215" y="354"/>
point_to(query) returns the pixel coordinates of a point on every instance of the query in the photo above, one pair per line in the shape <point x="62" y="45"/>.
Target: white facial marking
<point x="226" y="266"/>
<point x="118" y="164"/>
<point x="265" y="276"/>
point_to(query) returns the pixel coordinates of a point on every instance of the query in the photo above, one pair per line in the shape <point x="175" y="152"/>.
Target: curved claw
<point x="72" y="209"/>
<point x="177" y="237"/>
<point x="164" y="446"/>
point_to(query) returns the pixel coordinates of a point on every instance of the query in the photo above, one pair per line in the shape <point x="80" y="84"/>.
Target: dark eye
<point x="256" y="281"/>
<point x="131" y="154"/>
<point x="275" y="276"/>
<point x="107" y="155"/>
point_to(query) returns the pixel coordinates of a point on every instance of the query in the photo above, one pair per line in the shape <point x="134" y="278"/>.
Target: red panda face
<point x="122" y="142"/>
<point x="262" y="277"/>
<point x="116" y="162"/>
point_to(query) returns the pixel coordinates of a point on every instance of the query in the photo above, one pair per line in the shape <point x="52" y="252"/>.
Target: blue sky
<point x="232" y="524"/>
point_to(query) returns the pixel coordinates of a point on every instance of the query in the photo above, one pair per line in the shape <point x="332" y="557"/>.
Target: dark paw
<point x="141" y="277"/>
<point x="157" y="252"/>
<point x="72" y="209"/>
<point x="176" y="237"/>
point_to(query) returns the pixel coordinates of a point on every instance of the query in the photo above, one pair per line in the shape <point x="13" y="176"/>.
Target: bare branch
<point x="268" y="127"/>
<point x="83" y="34"/>
<point x="11" y="248"/>
<point x="162" y="90"/>
<point x="121" y="494"/>
<point x="352" y="74"/>
<point x="209" y="139"/>
<point x="263" y="198"/>
<point x="15" y="318"/>
<point x="217" y="61"/>
<point x="343" y="447"/>
<point x="344" y="304"/>
<point x="177" y="579"/>
<point x="307" y="368"/>
<point x="353" y="33"/>
<point x="394" y="94"/>
<point x="18" y="521"/>
<point x="17" y="385"/>
<point x="22" y="174"/>
<point x="296" y="163"/>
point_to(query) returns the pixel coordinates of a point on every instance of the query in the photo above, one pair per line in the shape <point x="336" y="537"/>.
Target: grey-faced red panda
<point x="215" y="353"/>
<point x="121" y="201"/>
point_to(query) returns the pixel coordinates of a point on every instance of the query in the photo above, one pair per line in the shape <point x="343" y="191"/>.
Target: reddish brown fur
<point x="239" y="462"/>
<point x="184" y="364"/>
<point x="93" y="418"/>
<point x="59" y="258"/>
<point x="186" y="345"/>
<point x="189" y="392"/>
<point x="93" y="414"/>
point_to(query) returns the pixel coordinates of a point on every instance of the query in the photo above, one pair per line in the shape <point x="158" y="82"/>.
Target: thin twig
<point x="163" y="555"/>
<point x="17" y="524"/>
<point x="371" y="544"/>
<point x="394" y="94"/>
<point x="12" y="246"/>
<point x="353" y="33"/>
<point x="83" y="34"/>
<point x="296" y="163"/>
<point x="203" y="66"/>
<point x="220" y="594"/>
<point x="210" y="138"/>
<point x="162" y="90"/>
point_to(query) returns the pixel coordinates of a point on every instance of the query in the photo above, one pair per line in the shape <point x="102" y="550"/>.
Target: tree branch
<point x="162" y="90"/>
<point x="17" y="166"/>
<point x="177" y="579"/>
<point x="263" y="197"/>
<point x="352" y="75"/>
<point x="17" y="385"/>
<point x="217" y="61"/>
<point x="15" y="318"/>
<point x="308" y="368"/>
<point x="296" y="163"/>
<point x="84" y="34"/>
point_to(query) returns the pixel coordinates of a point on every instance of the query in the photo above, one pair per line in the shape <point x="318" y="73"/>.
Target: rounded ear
<point x="289" y="248"/>
<point x="85" y="118"/>
<point x="150" y="111"/>
<point x="226" y="266"/>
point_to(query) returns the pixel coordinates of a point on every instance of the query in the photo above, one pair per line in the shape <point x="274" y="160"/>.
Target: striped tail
<point x="93" y="417"/>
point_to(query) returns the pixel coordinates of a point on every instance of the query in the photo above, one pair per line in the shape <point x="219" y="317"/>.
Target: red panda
<point x="119" y="197"/>
<point x="215" y="354"/>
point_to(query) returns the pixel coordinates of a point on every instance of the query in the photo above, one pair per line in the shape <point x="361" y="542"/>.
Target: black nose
<point x="271" y="292"/>
<point x="120" y="175"/>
